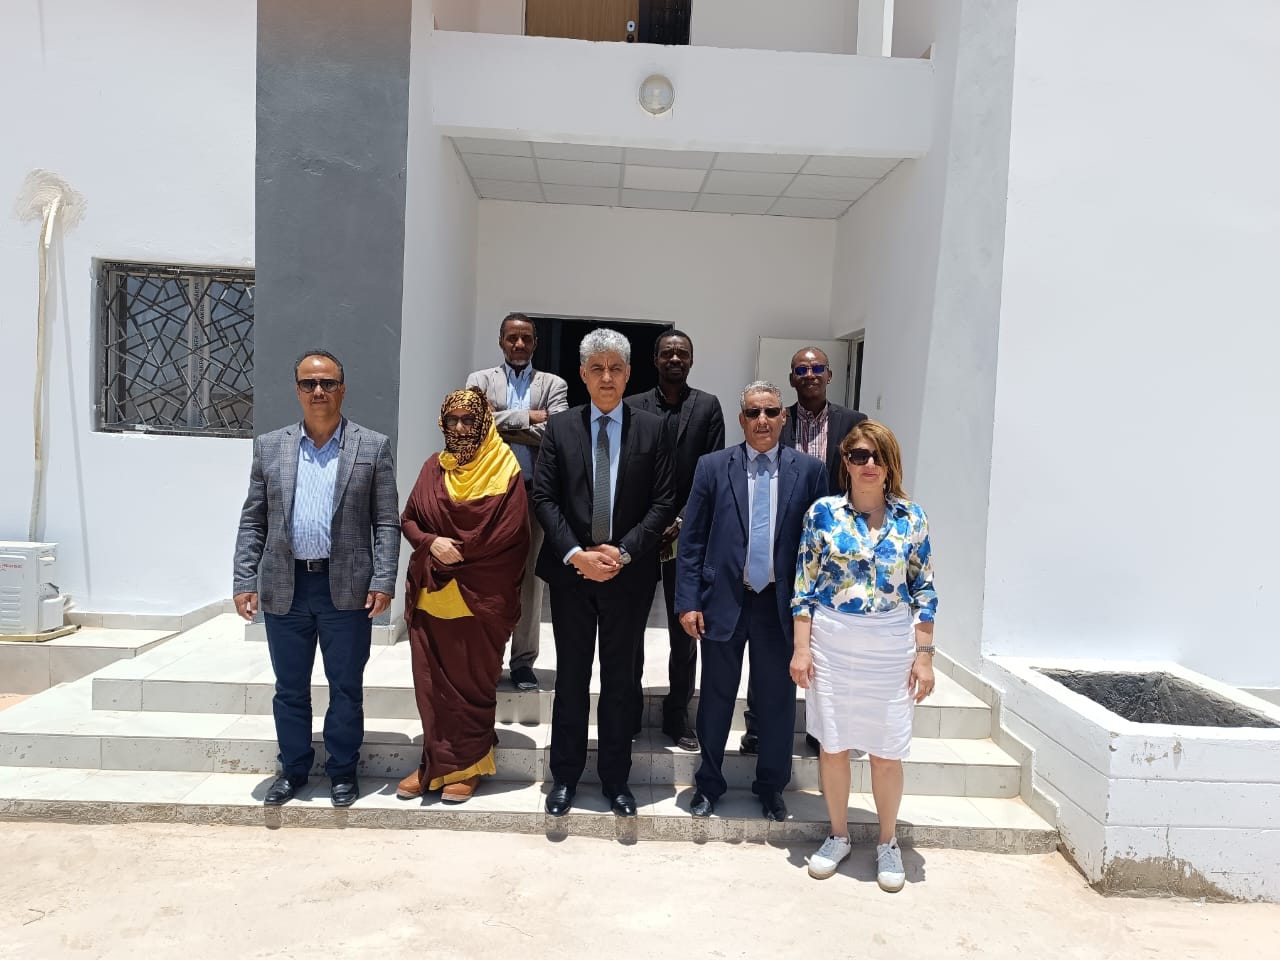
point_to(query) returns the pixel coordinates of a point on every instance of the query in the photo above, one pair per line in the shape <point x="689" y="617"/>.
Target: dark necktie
<point x="601" y="509"/>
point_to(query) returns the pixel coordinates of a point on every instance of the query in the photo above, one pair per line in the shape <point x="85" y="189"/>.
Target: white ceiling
<point x="774" y="184"/>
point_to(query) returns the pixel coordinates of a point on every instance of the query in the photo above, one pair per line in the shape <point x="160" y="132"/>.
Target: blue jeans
<point x="344" y="637"/>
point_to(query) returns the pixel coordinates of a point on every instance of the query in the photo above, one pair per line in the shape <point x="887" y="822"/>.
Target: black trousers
<point x="617" y="611"/>
<point x="682" y="665"/>
<point x="758" y="633"/>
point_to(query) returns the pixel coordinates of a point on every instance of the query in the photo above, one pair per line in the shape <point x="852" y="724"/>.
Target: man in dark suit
<point x="735" y="576"/>
<point x="317" y="549"/>
<point x="602" y="492"/>
<point x="694" y="425"/>
<point x="815" y="425"/>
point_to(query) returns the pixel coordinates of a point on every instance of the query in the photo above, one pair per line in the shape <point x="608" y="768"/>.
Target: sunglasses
<point x="807" y="368"/>
<point x="309" y="385"/>
<point x="860" y="458"/>
<point x="466" y="420"/>
<point x="752" y="412"/>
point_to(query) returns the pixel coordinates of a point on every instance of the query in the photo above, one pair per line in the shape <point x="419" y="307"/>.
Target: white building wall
<point x="148" y="111"/>
<point x="1133" y="508"/>
<point x="725" y="280"/>
<point x="918" y="268"/>
<point x="815" y="26"/>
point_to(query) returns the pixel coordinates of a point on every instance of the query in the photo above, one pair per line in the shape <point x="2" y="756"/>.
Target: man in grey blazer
<point x="522" y="399"/>
<point x="317" y="551"/>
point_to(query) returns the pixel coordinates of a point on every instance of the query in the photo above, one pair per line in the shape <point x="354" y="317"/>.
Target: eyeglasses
<point x="752" y="412"/>
<point x="309" y="385"/>
<point x="804" y="369"/>
<point x="860" y="458"/>
<point x="466" y="420"/>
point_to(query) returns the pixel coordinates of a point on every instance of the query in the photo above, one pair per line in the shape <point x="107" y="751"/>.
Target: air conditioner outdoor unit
<point x="29" y="599"/>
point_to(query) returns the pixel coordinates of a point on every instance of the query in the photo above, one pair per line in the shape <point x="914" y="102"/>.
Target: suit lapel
<point x="738" y="484"/>
<point x="501" y="391"/>
<point x="787" y="476"/>
<point x="289" y="469"/>
<point x="346" y="462"/>
<point x="588" y="457"/>
<point x="622" y="457"/>
<point x="686" y="411"/>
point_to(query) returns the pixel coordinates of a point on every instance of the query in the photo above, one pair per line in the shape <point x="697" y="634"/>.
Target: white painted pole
<point x="875" y="28"/>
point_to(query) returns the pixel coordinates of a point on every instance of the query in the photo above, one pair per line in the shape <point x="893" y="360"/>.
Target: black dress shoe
<point x="702" y="805"/>
<point x="344" y="791"/>
<point x="685" y="741"/>
<point x="750" y="743"/>
<point x="524" y="678"/>
<point x="283" y="790"/>
<point x="621" y="802"/>
<point x="773" y="807"/>
<point x="560" y="799"/>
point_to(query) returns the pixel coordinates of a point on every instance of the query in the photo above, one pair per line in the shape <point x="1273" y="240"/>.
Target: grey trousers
<point x="524" y="639"/>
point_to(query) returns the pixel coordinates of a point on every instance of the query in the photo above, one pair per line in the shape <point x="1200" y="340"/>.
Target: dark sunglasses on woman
<point x="860" y="458"/>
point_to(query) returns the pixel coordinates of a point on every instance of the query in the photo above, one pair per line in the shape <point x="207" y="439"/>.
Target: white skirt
<point x="858" y="699"/>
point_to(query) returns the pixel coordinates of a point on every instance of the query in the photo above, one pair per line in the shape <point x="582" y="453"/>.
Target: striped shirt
<point x="313" y="496"/>
<point x="811" y="431"/>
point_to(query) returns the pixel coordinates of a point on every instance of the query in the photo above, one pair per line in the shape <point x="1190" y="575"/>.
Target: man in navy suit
<point x="734" y="579"/>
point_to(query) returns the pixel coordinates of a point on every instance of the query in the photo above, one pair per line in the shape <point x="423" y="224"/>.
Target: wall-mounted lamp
<point x="657" y="94"/>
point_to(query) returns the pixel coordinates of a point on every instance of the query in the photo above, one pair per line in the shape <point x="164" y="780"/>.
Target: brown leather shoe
<point x="460" y="791"/>
<point x="411" y="786"/>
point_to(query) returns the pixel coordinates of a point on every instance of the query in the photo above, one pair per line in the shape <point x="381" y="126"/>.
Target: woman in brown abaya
<point x="467" y="523"/>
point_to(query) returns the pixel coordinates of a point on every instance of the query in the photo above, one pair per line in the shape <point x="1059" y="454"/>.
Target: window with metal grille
<point x="176" y="352"/>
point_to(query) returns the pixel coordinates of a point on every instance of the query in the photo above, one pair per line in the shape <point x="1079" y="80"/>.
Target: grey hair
<point x="759" y="386"/>
<point x="604" y="340"/>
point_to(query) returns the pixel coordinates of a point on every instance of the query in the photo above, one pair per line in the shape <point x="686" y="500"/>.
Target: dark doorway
<point x="558" y="339"/>
<point x="665" y="21"/>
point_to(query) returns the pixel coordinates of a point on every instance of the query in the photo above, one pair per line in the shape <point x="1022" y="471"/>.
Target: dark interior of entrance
<point x="558" y="339"/>
<point x="622" y="21"/>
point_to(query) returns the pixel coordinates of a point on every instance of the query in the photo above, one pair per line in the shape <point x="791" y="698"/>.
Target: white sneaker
<point x="824" y="863"/>
<point x="890" y="873"/>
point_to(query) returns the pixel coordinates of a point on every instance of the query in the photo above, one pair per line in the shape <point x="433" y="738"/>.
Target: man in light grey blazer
<point x="317" y="551"/>
<point x="522" y="399"/>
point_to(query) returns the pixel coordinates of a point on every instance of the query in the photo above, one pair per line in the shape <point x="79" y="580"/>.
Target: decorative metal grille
<point x="177" y="349"/>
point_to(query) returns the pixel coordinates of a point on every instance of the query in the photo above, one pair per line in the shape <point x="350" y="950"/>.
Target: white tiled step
<point x="236" y="677"/>
<point x="58" y="729"/>
<point x="30" y="667"/>
<point x="993" y="825"/>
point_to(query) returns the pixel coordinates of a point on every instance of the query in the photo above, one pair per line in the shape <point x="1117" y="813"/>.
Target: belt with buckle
<point x="314" y="566"/>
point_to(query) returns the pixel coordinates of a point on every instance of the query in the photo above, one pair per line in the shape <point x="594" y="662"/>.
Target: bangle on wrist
<point x="925" y="648"/>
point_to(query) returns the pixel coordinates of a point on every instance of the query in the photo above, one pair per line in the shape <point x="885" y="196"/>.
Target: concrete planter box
<point x="1150" y="807"/>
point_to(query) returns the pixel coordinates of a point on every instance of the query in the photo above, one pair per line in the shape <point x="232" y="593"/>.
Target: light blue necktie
<point x="758" y="553"/>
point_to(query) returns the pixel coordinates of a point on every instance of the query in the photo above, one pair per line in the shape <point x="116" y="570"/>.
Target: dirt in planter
<point x="1158" y="698"/>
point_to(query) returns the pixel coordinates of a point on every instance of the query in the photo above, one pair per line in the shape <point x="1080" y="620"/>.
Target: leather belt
<point x="313" y="566"/>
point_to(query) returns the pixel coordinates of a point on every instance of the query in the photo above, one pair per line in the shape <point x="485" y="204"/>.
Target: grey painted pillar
<point x="332" y="123"/>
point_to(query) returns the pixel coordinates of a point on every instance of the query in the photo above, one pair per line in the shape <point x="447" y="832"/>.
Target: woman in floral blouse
<point x="863" y="607"/>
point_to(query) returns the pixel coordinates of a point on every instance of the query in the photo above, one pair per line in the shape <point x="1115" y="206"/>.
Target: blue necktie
<point x="758" y="553"/>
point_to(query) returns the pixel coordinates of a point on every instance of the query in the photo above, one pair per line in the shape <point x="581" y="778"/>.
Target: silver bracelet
<point x="927" y="649"/>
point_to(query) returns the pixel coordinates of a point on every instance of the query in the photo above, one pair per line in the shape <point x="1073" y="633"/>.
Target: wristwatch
<point x="622" y="553"/>
<point x="925" y="649"/>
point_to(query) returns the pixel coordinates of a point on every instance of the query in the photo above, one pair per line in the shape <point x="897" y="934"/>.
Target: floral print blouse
<point x="846" y="567"/>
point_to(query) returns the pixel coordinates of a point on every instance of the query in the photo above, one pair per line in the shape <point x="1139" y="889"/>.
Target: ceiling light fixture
<point x="657" y="94"/>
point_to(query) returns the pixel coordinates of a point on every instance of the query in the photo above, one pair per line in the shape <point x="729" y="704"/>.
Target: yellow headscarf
<point x="474" y="467"/>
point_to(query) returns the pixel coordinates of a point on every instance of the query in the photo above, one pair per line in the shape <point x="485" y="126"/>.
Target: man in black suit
<point x="694" y="425"/>
<point x="815" y="426"/>
<point x="602" y="492"/>
<point x="737" y="565"/>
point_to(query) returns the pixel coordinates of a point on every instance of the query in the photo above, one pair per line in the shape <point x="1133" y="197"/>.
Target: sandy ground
<point x="181" y="891"/>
